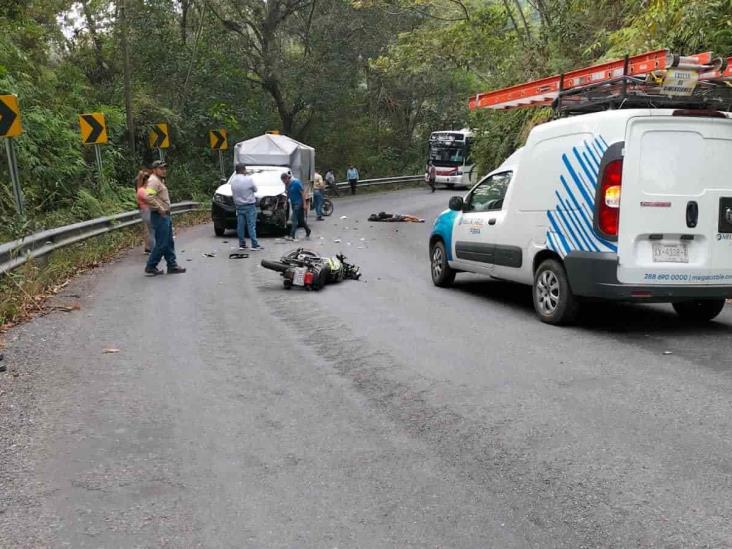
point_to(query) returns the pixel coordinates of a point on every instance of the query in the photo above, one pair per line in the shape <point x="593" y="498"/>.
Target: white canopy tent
<point x="277" y="150"/>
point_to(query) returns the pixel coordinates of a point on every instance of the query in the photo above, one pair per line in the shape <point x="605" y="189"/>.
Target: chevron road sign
<point x="93" y="128"/>
<point x="218" y="139"/>
<point x="159" y="136"/>
<point x="9" y="116"/>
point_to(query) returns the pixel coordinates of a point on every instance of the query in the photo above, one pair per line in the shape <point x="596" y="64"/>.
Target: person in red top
<point x="140" y="183"/>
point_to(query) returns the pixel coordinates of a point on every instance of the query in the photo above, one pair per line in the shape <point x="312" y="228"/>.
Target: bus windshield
<point x="452" y="154"/>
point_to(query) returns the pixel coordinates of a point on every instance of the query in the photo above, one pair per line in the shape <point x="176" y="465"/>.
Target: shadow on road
<point x="599" y="316"/>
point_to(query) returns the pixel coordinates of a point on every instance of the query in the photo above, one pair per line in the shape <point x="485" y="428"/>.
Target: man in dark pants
<point x="352" y="176"/>
<point x="157" y="197"/>
<point x="431" y="175"/>
<point x="296" y="194"/>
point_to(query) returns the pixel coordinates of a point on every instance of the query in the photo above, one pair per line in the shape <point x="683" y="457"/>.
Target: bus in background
<point x="449" y="151"/>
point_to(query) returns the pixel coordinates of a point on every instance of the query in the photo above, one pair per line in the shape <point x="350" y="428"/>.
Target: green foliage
<point x="688" y="26"/>
<point x="363" y="81"/>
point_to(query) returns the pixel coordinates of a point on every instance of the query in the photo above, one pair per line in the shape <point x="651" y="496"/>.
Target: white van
<point x="629" y="205"/>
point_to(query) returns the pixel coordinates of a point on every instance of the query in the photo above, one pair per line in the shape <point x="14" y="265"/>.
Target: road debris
<point x="209" y="254"/>
<point x="344" y="217"/>
<point x="66" y="308"/>
<point x="238" y="255"/>
<point x="668" y="353"/>
<point x="110" y="351"/>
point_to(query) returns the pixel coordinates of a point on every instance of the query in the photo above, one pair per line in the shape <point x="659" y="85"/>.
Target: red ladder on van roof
<point x="543" y="92"/>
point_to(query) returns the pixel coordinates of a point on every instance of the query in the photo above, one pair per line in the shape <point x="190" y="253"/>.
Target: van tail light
<point x="609" y="207"/>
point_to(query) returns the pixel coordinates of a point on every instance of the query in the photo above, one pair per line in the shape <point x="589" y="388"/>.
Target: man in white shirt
<point x="318" y="195"/>
<point x="242" y="191"/>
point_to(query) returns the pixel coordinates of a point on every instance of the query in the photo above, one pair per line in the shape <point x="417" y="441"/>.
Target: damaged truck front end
<point x="272" y="206"/>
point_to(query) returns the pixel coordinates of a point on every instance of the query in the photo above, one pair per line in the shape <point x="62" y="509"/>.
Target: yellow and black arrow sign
<point x="219" y="139"/>
<point x="9" y="116"/>
<point x="93" y="128"/>
<point x="159" y="136"/>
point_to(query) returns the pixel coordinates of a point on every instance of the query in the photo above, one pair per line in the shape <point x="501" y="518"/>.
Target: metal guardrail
<point x="381" y="181"/>
<point x="15" y="253"/>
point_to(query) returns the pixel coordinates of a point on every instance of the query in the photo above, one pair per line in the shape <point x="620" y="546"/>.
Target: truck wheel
<point x="554" y="301"/>
<point x="219" y="230"/>
<point x="442" y="274"/>
<point x="700" y="310"/>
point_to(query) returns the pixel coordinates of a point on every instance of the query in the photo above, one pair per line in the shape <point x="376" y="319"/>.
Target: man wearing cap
<point x="157" y="197"/>
<point x="296" y="194"/>
<point x="242" y="191"/>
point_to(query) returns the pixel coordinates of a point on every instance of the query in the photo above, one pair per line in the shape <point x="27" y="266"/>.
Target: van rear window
<point x="670" y="162"/>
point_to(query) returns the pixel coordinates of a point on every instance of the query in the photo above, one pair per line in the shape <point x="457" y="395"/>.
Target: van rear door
<point x="676" y="201"/>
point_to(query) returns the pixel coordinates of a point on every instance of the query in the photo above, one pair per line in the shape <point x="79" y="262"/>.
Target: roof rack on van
<point x="656" y="79"/>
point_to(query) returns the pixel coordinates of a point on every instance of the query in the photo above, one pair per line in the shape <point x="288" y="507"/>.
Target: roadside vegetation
<point x="363" y="81"/>
<point x="24" y="291"/>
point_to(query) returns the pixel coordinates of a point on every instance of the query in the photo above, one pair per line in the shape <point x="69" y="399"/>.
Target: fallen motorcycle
<point x="310" y="270"/>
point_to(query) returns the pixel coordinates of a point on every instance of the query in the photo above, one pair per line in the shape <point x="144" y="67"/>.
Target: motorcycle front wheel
<point x="327" y="207"/>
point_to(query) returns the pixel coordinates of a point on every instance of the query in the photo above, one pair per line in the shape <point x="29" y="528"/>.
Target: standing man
<point x="431" y="175"/>
<point x="157" y="197"/>
<point x="242" y="191"/>
<point x="331" y="182"/>
<point x="318" y="195"/>
<point x="296" y="194"/>
<point x="352" y="176"/>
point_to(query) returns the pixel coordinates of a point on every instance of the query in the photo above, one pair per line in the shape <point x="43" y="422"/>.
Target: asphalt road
<point x="379" y="413"/>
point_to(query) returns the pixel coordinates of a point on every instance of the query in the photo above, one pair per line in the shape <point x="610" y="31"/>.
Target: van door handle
<point x="692" y="214"/>
<point x="492" y="221"/>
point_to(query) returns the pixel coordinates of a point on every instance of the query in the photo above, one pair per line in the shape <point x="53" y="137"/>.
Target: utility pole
<point x="128" y="91"/>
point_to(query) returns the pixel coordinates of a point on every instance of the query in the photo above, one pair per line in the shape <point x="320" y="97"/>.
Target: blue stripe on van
<point x="569" y="232"/>
<point x="575" y="216"/>
<point x="592" y="178"/>
<point x="577" y="181"/>
<point x="593" y="156"/>
<point x="565" y="247"/>
<point x="572" y="219"/>
<point x="593" y="167"/>
<point x="582" y="213"/>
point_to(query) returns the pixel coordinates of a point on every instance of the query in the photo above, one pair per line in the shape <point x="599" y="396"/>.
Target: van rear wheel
<point x="554" y="301"/>
<point x="699" y="310"/>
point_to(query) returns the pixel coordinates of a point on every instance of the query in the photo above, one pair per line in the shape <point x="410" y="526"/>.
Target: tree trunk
<point x="101" y="68"/>
<point x="509" y="11"/>
<point x="523" y="19"/>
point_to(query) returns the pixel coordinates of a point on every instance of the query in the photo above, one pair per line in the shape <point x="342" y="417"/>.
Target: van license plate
<point x="670" y="253"/>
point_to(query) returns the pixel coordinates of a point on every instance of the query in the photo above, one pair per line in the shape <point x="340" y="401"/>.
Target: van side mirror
<point x="456" y="203"/>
